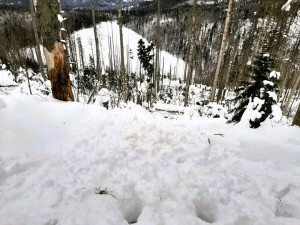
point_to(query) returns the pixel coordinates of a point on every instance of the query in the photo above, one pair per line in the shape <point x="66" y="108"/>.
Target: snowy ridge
<point x="54" y="155"/>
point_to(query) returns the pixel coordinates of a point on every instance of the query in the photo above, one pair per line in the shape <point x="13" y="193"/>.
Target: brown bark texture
<point x="58" y="68"/>
<point x="221" y="53"/>
<point x="297" y="117"/>
<point x="58" y="71"/>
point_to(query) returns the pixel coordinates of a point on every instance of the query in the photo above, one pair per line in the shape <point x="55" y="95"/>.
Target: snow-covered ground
<point x="57" y="159"/>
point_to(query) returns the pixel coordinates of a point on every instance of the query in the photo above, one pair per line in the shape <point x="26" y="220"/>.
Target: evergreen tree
<point x="258" y="96"/>
<point x="145" y="56"/>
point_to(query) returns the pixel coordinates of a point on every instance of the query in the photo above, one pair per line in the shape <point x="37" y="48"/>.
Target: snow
<point x="252" y="110"/>
<point x="287" y="6"/>
<point x="60" y="18"/>
<point x="6" y="78"/>
<point x="275" y="74"/>
<point x="266" y="82"/>
<point x="57" y="157"/>
<point x="109" y="31"/>
<point x="103" y="96"/>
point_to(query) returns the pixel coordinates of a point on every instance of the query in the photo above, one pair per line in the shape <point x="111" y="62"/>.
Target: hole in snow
<point x="131" y="209"/>
<point x="52" y="222"/>
<point x="205" y="210"/>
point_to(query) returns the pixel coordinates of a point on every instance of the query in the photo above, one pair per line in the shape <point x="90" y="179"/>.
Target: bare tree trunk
<point x="190" y="57"/>
<point x="157" y="59"/>
<point x="98" y="65"/>
<point x="80" y="52"/>
<point x="297" y="117"/>
<point x="213" y="92"/>
<point x="58" y="69"/>
<point x="226" y="82"/>
<point x="285" y="110"/>
<point x="37" y="40"/>
<point x="122" y="52"/>
<point x="28" y="80"/>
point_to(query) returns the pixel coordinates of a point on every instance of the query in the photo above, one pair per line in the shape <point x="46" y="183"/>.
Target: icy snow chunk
<point x="275" y="74"/>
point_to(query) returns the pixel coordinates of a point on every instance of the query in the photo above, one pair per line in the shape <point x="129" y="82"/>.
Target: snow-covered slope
<point x="57" y="159"/>
<point x="109" y="31"/>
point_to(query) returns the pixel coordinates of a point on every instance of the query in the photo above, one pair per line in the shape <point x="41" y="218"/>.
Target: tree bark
<point x="37" y="40"/>
<point x="285" y="110"/>
<point x="157" y="59"/>
<point x="58" y="71"/>
<point x="297" y="117"/>
<point x="190" y="57"/>
<point x="54" y="49"/>
<point x="122" y="52"/>
<point x="214" y="87"/>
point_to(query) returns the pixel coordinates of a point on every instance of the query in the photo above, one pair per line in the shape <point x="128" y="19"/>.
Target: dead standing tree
<point x="297" y="117"/>
<point x="37" y="39"/>
<point x="157" y="59"/>
<point x="120" y="21"/>
<point x="191" y="53"/>
<point x="214" y="87"/>
<point x="98" y="64"/>
<point x="47" y="14"/>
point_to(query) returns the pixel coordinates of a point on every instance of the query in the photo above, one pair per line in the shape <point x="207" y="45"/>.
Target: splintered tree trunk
<point x="98" y="64"/>
<point x="157" y="59"/>
<point x="37" y="40"/>
<point x="213" y="92"/>
<point x="122" y="53"/>
<point x="58" y="70"/>
<point x="297" y="118"/>
<point x="190" y="57"/>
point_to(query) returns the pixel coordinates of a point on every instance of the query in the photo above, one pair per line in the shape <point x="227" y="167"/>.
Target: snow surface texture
<point x="57" y="158"/>
<point x="110" y="31"/>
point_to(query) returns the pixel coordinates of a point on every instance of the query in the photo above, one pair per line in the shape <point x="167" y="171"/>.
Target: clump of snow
<point x="60" y="18"/>
<point x="266" y="82"/>
<point x="215" y="110"/>
<point x="275" y="74"/>
<point x="103" y="96"/>
<point x="287" y="6"/>
<point x="252" y="112"/>
<point x="6" y="78"/>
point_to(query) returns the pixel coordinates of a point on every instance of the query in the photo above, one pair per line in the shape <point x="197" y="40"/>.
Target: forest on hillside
<point x="191" y="33"/>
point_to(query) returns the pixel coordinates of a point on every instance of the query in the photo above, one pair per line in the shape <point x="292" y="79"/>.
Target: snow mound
<point x="6" y="79"/>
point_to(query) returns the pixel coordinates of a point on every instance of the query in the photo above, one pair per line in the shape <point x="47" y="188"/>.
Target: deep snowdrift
<point x="55" y="157"/>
